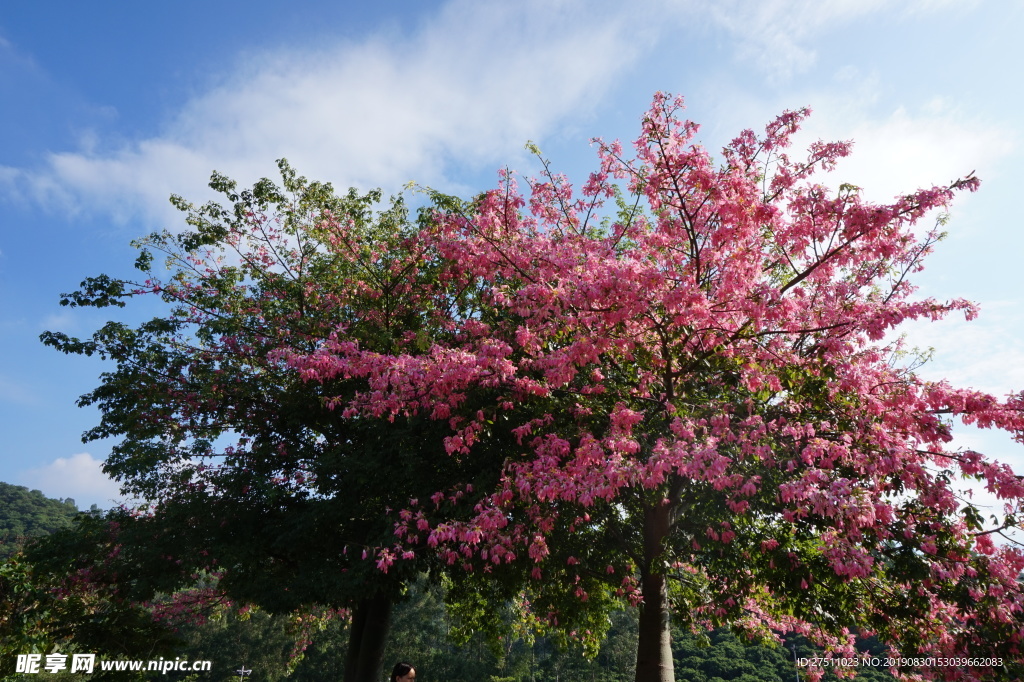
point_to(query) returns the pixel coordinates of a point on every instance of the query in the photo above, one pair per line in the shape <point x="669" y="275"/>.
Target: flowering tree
<point x="704" y="387"/>
<point x="248" y="472"/>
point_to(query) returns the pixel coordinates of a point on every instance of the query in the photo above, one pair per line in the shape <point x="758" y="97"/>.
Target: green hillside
<point x="28" y="513"/>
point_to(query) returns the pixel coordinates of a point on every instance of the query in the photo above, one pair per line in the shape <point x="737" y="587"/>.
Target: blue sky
<point x="108" y="108"/>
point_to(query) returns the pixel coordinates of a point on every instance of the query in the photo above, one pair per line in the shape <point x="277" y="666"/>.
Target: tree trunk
<point x="654" y="645"/>
<point x="371" y="620"/>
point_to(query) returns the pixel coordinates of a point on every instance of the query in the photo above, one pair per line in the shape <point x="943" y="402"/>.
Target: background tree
<point x="28" y="514"/>
<point x="705" y="383"/>
<point x="60" y="596"/>
<point x="720" y="656"/>
<point x="52" y="599"/>
<point x="249" y="471"/>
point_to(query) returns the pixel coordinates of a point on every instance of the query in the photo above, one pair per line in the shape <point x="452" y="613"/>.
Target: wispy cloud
<point x="778" y="36"/>
<point x="773" y="35"/>
<point x="907" y="149"/>
<point x="463" y="90"/>
<point x="896" y="150"/>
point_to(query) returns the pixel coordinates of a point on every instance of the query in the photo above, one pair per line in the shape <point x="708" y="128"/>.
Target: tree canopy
<point x="693" y="404"/>
<point x="249" y="472"/>
<point x="705" y="383"/>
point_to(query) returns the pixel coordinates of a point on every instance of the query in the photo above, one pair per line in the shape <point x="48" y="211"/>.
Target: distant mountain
<point x="28" y="514"/>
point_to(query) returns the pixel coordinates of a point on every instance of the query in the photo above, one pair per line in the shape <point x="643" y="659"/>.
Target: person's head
<point x="403" y="672"/>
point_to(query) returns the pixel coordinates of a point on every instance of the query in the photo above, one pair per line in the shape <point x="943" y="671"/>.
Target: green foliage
<point x="47" y="603"/>
<point x="251" y="469"/>
<point x="51" y="601"/>
<point x="253" y="639"/>
<point x="423" y="634"/>
<point x="251" y="472"/>
<point x="426" y="634"/>
<point x="721" y="656"/>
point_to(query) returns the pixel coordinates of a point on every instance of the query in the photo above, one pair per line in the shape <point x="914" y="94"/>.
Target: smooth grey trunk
<point x="371" y="620"/>
<point x="654" y="645"/>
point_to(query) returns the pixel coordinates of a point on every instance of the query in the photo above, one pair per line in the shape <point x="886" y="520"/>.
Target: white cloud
<point x="464" y="91"/>
<point x="906" y="150"/>
<point x="773" y="34"/>
<point x="79" y="477"/>
<point x="895" y="150"/>
<point x="467" y="89"/>
<point x="777" y="36"/>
